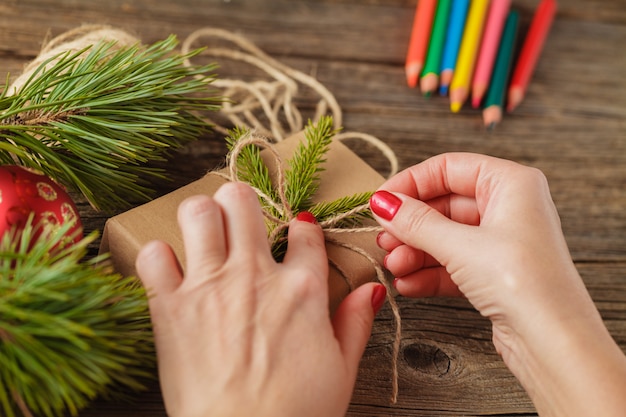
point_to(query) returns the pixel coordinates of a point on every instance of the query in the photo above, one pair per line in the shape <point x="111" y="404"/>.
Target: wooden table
<point x="572" y="125"/>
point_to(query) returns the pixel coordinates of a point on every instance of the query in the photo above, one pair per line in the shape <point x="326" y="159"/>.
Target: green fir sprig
<point x="250" y="166"/>
<point x="302" y="180"/>
<point x="94" y="119"/>
<point x="70" y="330"/>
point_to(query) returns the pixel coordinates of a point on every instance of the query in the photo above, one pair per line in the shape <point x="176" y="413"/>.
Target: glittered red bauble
<point x="24" y="191"/>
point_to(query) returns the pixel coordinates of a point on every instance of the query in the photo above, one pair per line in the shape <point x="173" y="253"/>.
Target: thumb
<point x="418" y="225"/>
<point x="353" y="320"/>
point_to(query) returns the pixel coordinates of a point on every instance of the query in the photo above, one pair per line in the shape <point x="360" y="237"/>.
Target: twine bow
<point x="329" y="227"/>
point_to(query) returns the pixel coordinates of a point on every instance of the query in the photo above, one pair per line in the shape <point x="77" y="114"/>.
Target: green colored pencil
<point x="430" y="73"/>
<point x="494" y="100"/>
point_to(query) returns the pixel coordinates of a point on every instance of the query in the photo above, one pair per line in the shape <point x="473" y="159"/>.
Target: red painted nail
<point x="384" y="204"/>
<point x="305" y="216"/>
<point x="378" y="297"/>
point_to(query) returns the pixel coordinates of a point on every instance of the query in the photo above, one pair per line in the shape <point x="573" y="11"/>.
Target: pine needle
<point x="250" y="166"/>
<point x="70" y="330"/>
<point x="325" y="210"/>
<point x="302" y="176"/>
<point x="95" y="118"/>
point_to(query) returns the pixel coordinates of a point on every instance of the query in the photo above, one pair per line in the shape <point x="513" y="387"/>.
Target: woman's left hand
<point x="239" y="334"/>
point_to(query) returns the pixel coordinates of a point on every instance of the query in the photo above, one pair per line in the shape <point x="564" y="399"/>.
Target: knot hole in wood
<point x="427" y="359"/>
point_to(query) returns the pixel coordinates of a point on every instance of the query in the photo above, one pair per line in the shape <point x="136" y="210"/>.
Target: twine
<point x="72" y="41"/>
<point x="328" y="227"/>
<point x="273" y="98"/>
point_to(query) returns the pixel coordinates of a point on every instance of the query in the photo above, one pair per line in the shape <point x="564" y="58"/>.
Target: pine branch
<point x="69" y="330"/>
<point x="302" y="176"/>
<point x="95" y="118"/>
<point x="250" y="166"/>
<point x="326" y="210"/>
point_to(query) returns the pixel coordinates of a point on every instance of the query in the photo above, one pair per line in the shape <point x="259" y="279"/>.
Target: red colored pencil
<point x="420" y="36"/>
<point x="531" y="49"/>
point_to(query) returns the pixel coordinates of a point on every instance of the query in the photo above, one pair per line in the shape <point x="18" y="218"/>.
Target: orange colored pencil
<point x="529" y="55"/>
<point x="420" y="36"/>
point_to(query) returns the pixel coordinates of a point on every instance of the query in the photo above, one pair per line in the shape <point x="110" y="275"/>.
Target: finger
<point x="243" y="219"/>
<point x="419" y="225"/>
<point x="202" y="225"/>
<point x="405" y="259"/>
<point x="456" y="207"/>
<point x="306" y="247"/>
<point x="158" y="268"/>
<point x="387" y="241"/>
<point x="353" y="321"/>
<point x="428" y="282"/>
<point x="458" y="173"/>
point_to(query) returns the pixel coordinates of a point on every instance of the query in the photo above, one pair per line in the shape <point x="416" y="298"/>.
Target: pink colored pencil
<point x="498" y="12"/>
<point x="531" y="49"/>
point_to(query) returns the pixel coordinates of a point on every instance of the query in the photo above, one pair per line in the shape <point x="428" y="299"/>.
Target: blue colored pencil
<point x="456" y="25"/>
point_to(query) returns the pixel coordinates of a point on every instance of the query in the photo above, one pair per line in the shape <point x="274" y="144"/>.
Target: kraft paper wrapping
<point x="344" y="174"/>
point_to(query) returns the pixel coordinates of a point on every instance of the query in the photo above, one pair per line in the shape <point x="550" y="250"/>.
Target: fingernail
<point x="378" y="297"/>
<point x="385" y="204"/>
<point x="395" y="283"/>
<point x="305" y="216"/>
<point x="378" y="237"/>
<point x="385" y="261"/>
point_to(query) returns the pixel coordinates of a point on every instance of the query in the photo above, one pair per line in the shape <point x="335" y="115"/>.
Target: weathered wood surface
<point x="572" y="125"/>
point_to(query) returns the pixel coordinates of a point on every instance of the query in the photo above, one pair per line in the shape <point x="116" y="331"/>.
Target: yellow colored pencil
<point x="470" y="44"/>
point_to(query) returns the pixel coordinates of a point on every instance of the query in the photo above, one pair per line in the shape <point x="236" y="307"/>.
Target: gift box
<point x="344" y="174"/>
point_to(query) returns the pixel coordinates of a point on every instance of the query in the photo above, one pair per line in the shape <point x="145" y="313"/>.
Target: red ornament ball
<point x="24" y="191"/>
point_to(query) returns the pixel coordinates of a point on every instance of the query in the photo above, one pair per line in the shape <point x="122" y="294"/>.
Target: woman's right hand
<point x="480" y="226"/>
<point x="486" y="228"/>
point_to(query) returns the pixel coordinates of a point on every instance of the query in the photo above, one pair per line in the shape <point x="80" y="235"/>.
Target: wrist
<point x="569" y="366"/>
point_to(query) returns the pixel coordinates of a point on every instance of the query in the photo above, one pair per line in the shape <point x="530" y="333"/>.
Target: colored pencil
<point x="531" y="49"/>
<point x="456" y="24"/>
<point x="462" y="78"/>
<point x="420" y="36"/>
<point x="494" y="99"/>
<point x="498" y="11"/>
<point x="430" y="74"/>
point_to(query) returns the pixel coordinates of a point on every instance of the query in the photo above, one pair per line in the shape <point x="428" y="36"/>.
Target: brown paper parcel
<point x="344" y="174"/>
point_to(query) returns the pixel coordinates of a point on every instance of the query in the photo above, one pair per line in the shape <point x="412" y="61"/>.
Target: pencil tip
<point x="455" y="106"/>
<point x="412" y="72"/>
<point x="475" y="102"/>
<point x="443" y="90"/>
<point x="515" y="97"/>
<point x="427" y="94"/>
<point x="491" y="126"/>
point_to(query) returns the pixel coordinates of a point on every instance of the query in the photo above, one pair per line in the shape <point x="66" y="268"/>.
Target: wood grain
<point x="572" y="125"/>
